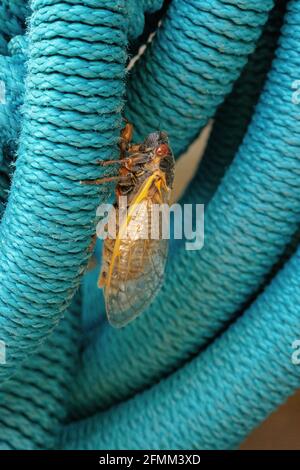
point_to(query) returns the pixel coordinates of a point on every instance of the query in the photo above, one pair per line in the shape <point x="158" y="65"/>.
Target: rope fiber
<point x="211" y="358"/>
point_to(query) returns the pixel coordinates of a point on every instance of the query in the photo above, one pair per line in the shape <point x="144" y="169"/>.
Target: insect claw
<point x="102" y="280"/>
<point x="105" y="179"/>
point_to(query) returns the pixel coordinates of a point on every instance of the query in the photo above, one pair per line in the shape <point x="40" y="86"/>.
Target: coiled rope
<point x="74" y="96"/>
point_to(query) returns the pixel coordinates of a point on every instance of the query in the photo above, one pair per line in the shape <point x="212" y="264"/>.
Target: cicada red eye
<point x="163" y="150"/>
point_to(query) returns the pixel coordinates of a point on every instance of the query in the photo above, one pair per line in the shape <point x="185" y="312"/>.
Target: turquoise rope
<point x="12" y="20"/>
<point x="116" y="364"/>
<point x="33" y="402"/>
<point x="234" y="115"/>
<point x="220" y="396"/>
<point x="83" y="89"/>
<point x="61" y="139"/>
<point x="12" y="70"/>
<point x="197" y="55"/>
<point x="136" y="15"/>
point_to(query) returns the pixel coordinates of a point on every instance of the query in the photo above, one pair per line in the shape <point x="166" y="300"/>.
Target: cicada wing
<point x="138" y="269"/>
<point x="132" y="296"/>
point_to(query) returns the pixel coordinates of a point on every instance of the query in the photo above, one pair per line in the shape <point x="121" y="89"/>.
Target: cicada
<point x="133" y="261"/>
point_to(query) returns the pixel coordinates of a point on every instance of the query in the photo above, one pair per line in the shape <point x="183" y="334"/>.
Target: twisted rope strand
<point x="236" y="383"/>
<point x="48" y="209"/>
<point x="202" y="290"/>
<point x="33" y="402"/>
<point x="190" y="67"/>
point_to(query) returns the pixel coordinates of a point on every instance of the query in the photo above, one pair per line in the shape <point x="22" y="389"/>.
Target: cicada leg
<point x="92" y="244"/>
<point x="108" y="179"/>
<point x="125" y="139"/>
<point x="136" y="158"/>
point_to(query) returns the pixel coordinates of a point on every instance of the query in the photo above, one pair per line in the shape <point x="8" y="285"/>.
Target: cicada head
<point x="160" y="154"/>
<point x="155" y="139"/>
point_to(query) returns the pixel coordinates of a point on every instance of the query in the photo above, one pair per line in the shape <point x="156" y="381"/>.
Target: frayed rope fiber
<point x="74" y="58"/>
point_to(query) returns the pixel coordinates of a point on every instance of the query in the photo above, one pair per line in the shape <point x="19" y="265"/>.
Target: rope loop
<point x="64" y="89"/>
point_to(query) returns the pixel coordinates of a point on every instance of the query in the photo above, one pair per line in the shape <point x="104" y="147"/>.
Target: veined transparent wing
<point x="136" y="259"/>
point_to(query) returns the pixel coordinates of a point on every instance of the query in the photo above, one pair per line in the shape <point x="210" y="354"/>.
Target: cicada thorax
<point x="138" y="230"/>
